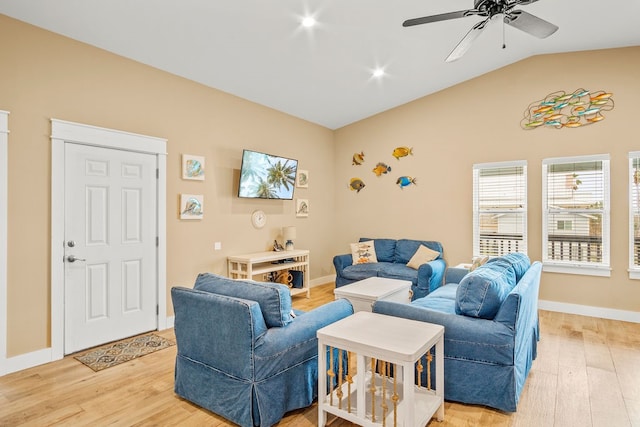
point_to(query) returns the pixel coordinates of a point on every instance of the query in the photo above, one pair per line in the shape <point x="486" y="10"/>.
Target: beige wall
<point x="47" y="76"/>
<point x="476" y="122"/>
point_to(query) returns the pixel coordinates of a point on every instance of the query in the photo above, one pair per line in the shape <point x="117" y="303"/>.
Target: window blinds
<point x="500" y="208"/>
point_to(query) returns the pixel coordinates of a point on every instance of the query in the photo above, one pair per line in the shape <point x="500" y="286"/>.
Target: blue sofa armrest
<point x="279" y="342"/>
<point x="465" y="337"/>
<point x="342" y="261"/>
<point x="430" y="277"/>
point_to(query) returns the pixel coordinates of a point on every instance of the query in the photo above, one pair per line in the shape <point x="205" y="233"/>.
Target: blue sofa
<point x="393" y="256"/>
<point x="241" y="353"/>
<point x="490" y="317"/>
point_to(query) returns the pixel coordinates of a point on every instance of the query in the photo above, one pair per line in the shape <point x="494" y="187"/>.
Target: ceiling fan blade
<point x="520" y="2"/>
<point x="466" y="42"/>
<point x="436" y="18"/>
<point x="530" y="24"/>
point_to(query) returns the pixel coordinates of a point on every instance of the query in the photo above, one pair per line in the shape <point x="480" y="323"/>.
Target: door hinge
<point x="157" y="241"/>
<point x="157" y="173"/>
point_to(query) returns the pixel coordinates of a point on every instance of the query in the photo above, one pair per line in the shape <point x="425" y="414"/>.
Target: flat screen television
<point x="265" y="176"/>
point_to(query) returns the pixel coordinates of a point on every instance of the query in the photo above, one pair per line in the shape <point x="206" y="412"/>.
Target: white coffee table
<point x="364" y="293"/>
<point x="371" y="398"/>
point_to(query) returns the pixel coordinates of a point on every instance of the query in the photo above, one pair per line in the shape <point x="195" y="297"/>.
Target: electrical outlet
<point x="217" y="246"/>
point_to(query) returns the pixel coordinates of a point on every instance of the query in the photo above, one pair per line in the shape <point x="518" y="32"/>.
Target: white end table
<point x="364" y="293"/>
<point x="370" y="396"/>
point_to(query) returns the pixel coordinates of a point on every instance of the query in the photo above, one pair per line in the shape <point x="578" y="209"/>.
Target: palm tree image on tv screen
<point x="265" y="176"/>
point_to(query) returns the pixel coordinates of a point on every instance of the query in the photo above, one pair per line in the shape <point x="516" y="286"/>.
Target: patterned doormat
<point x="113" y="354"/>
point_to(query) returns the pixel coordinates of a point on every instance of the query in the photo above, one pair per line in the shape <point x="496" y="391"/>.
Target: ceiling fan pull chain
<point x="504" y="41"/>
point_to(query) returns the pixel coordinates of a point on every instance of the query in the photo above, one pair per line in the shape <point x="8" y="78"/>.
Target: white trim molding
<point x="4" y="194"/>
<point x="587" y="310"/>
<point x="68" y="132"/>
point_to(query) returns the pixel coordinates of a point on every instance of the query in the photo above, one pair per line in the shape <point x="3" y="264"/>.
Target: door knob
<point x="72" y="258"/>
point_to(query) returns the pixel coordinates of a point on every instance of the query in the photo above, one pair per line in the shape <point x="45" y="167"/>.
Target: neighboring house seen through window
<point x="499" y="208"/>
<point x="575" y="192"/>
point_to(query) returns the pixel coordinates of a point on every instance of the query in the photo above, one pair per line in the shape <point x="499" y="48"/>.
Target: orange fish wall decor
<point x="358" y="158"/>
<point x="568" y="110"/>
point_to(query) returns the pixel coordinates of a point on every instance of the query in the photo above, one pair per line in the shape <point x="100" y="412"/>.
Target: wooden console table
<point x="248" y="266"/>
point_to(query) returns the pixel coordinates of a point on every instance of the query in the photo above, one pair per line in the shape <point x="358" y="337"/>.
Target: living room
<point x="50" y="76"/>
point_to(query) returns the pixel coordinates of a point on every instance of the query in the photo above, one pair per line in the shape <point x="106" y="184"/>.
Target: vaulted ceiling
<point x="260" y="51"/>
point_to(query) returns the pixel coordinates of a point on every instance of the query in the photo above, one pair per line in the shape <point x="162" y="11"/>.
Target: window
<point x="634" y="215"/>
<point x="565" y="224"/>
<point x="499" y="208"/>
<point x="575" y="206"/>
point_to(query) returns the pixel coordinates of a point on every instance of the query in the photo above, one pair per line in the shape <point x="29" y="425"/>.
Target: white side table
<point x="364" y="293"/>
<point x="389" y="392"/>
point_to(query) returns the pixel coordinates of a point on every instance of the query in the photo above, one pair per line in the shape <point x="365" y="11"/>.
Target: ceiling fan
<point x="490" y="8"/>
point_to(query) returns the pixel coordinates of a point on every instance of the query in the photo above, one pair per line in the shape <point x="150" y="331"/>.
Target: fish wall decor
<point x="381" y="168"/>
<point x="356" y="184"/>
<point x="568" y="110"/>
<point x="402" y="152"/>
<point x="404" y="181"/>
<point x="358" y="158"/>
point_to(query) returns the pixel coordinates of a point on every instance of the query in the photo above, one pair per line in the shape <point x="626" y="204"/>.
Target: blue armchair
<point x="241" y="352"/>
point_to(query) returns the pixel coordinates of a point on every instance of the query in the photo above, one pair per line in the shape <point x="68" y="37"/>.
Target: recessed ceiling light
<point x="378" y="72"/>
<point x="308" y="22"/>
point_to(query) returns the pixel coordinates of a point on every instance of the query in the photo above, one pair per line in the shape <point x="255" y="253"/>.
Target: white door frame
<point x="67" y="132"/>
<point x="4" y="164"/>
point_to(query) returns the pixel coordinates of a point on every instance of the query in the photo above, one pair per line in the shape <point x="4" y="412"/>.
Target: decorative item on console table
<point x="288" y="234"/>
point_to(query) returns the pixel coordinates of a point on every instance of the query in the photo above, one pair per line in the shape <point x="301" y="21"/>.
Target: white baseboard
<point x="170" y="322"/>
<point x="322" y="280"/>
<point x="25" y="361"/>
<point x="586" y="310"/>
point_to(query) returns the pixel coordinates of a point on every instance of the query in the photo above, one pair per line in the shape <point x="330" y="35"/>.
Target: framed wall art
<point x="302" y="207"/>
<point x="192" y="167"/>
<point x="302" y="179"/>
<point x="191" y="206"/>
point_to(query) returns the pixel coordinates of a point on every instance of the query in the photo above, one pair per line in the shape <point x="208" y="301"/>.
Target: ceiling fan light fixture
<point x="378" y="73"/>
<point x="308" y="21"/>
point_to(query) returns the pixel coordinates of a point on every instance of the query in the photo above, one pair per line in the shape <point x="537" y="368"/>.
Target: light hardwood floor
<point x="587" y="374"/>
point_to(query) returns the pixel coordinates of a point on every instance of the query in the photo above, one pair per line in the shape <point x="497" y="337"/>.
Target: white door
<point x="110" y="245"/>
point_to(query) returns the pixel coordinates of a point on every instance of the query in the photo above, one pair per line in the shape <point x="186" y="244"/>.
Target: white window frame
<point x="576" y="267"/>
<point x="634" y="270"/>
<point x="476" y="205"/>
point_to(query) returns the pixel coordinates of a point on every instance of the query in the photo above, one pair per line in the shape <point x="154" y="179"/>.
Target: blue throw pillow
<point x="274" y="298"/>
<point x="482" y="291"/>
